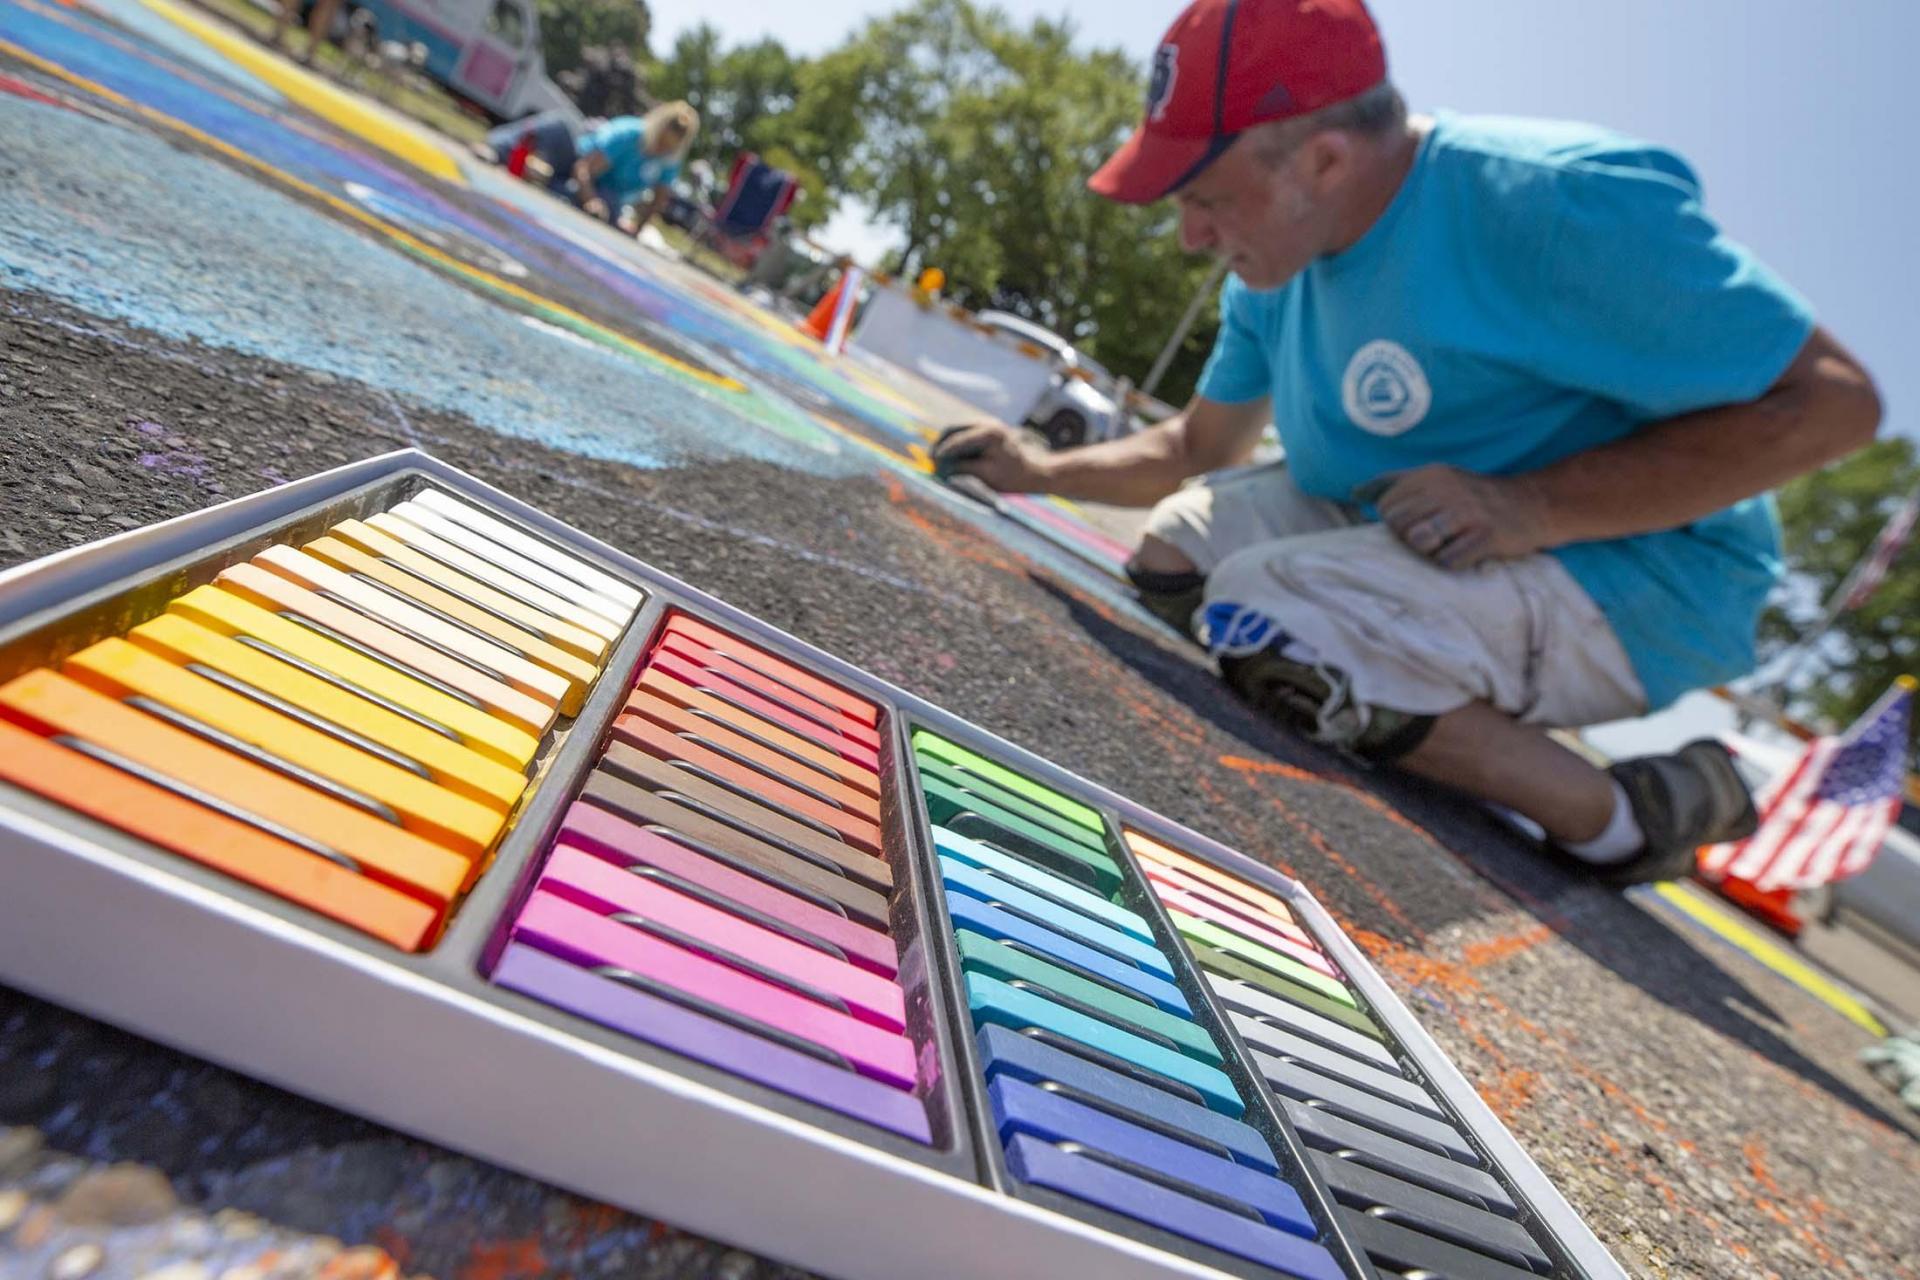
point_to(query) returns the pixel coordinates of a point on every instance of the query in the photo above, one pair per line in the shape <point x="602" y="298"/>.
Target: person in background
<point x="319" y="23"/>
<point x="628" y="160"/>
<point x="1532" y="399"/>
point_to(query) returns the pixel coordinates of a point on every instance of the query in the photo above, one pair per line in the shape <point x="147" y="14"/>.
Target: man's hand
<point x="595" y="206"/>
<point x="1458" y="519"/>
<point x="993" y="452"/>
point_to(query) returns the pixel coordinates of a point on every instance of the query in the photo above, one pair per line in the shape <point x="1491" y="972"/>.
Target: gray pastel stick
<point x="1412" y="1253"/>
<point x="1429" y="1212"/>
<point x="1384" y="1084"/>
<point x="1323" y="1090"/>
<point x="1324" y="1131"/>
<point x="1251" y="1000"/>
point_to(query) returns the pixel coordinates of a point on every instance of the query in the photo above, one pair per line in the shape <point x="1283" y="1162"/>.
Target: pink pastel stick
<point x="689" y="673"/>
<point x="582" y="878"/>
<point x="768" y="684"/>
<point x="594" y="830"/>
<point x="587" y="938"/>
<point x="1195" y="906"/>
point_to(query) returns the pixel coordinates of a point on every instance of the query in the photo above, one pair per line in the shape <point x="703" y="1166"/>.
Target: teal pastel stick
<point x="1064" y="892"/>
<point x="974" y="882"/>
<point x="993" y="1002"/>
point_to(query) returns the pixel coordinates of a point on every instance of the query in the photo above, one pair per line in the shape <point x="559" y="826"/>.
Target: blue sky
<point x="1792" y="112"/>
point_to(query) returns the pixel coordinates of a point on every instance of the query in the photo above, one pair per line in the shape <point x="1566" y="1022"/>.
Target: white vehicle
<point x="1082" y="406"/>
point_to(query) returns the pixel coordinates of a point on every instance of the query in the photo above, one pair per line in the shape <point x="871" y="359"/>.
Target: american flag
<point x="1823" y="819"/>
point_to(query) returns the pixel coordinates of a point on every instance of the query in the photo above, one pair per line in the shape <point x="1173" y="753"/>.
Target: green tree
<point x="1832" y="518"/>
<point x="974" y="137"/>
<point x="569" y="26"/>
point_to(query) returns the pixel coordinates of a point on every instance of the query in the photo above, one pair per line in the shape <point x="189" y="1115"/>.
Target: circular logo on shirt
<point x="1385" y="390"/>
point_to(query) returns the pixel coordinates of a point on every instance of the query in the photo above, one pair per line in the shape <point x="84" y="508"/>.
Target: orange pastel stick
<point x="49" y="703"/>
<point x="122" y="669"/>
<point x="272" y="592"/>
<point x="213" y="839"/>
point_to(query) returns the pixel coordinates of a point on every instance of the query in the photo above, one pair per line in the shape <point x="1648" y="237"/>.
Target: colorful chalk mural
<point x="241" y="202"/>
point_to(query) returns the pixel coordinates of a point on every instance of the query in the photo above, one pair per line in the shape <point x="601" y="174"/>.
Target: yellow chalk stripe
<point x="1774" y="957"/>
<point x="457" y="768"/>
<point x="120" y="670"/>
<point x="389" y="132"/>
<point x="563" y="635"/>
<point x="229" y="614"/>
<point x="576" y="673"/>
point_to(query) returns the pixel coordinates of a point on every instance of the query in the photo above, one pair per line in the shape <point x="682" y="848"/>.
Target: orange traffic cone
<point x="819" y="321"/>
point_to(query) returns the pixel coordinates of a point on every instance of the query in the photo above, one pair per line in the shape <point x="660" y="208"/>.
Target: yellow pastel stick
<point x="489" y="693"/>
<point x="233" y="615"/>
<point x="123" y="670"/>
<point x="492" y="574"/>
<point x="577" y="673"/>
<point x="562" y="635"/>
<point x="458" y="768"/>
<point x="504" y="664"/>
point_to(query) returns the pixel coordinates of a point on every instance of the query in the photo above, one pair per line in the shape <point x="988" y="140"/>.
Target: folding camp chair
<point x="757" y="194"/>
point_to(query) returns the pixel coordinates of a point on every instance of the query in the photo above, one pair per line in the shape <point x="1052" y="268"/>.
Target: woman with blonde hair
<point x="628" y="160"/>
<point x="633" y="157"/>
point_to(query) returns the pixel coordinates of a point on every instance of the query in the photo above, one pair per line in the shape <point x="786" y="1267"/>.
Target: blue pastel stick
<point x="1019" y="1107"/>
<point x="983" y="918"/>
<point x="1042" y="1164"/>
<point x="1017" y="1057"/>
<point x="1047" y="885"/>
<point x="959" y="876"/>
<point x="992" y="1000"/>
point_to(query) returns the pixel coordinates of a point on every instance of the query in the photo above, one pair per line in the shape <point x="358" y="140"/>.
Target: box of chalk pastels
<point x="393" y="791"/>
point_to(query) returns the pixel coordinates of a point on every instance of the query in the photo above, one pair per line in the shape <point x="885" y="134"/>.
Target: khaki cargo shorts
<point x="1409" y="635"/>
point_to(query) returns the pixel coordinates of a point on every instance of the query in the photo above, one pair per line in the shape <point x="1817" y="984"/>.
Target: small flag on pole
<point x="1823" y="819"/>
<point x="1886" y="548"/>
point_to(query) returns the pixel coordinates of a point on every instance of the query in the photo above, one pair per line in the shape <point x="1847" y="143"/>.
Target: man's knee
<point x="1287" y="680"/>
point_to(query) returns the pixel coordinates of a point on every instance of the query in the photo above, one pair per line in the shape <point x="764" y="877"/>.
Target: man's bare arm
<point x="1135" y="471"/>
<point x="1661" y="477"/>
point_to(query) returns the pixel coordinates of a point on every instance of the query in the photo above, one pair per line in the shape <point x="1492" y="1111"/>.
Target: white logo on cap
<point x="1166" y="69"/>
<point x="1385" y="391"/>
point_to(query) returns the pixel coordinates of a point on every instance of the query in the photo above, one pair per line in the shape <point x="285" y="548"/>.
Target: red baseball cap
<point x="1227" y="65"/>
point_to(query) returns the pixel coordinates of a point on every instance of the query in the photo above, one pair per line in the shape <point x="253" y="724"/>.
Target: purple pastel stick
<point x="661" y="1022"/>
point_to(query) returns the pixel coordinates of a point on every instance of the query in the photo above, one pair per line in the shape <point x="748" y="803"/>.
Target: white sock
<point x="1621" y="839"/>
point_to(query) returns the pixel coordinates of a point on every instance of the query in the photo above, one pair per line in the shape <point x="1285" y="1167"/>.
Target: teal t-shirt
<point x="1534" y="290"/>
<point x="630" y="172"/>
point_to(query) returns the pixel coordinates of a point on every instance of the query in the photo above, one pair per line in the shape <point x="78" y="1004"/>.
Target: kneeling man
<point x="1532" y="400"/>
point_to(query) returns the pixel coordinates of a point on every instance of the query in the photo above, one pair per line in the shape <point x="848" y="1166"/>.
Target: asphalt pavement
<point x="1707" y="1117"/>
